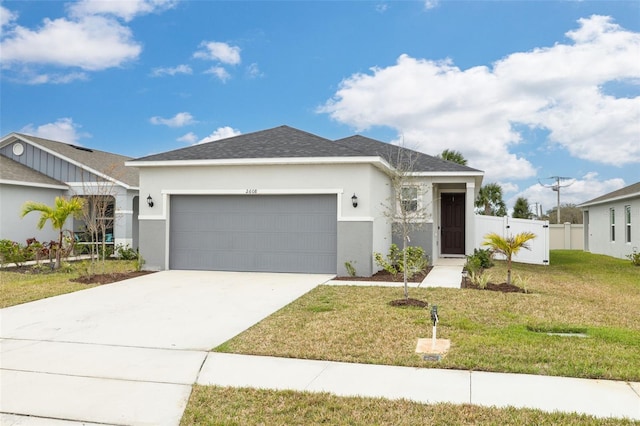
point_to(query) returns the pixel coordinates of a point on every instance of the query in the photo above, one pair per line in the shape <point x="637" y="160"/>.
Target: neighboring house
<point x="284" y="200"/>
<point x="36" y="169"/>
<point x="612" y="222"/>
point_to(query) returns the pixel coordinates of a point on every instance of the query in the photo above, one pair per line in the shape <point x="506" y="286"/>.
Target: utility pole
<point x="556" y="187"/>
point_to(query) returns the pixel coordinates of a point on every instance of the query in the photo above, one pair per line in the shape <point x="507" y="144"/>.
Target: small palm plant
<point x="508" y="246"/>
<point x="57" y="214"/>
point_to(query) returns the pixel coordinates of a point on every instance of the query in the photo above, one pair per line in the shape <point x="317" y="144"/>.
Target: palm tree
<point x="508" y="246"/>
<point x="57" y="214"/>
<point x="490" y="199"/>
<point x="453" y="156"/>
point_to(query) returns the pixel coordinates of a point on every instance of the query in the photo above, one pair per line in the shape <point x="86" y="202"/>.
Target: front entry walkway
<point x="446" y="272"/>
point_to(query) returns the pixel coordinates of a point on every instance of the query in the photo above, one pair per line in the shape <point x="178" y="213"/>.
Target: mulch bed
<point x="502" y="287"/>
<point x="110" y="278"/>
<point x="413" y="303"/>
<point x="385" y="276"/>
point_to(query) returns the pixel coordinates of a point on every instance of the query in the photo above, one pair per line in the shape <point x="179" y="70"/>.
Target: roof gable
<point x="95" y="161"/>
<point x="630" y="191"/>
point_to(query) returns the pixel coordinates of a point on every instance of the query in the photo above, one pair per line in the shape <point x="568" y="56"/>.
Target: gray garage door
<point x="267" y="233"/>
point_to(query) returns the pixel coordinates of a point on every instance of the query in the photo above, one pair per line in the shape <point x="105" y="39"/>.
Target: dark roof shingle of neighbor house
<point x="287" y="142"/>
<point x="11" y="170"/>
<point x="626" y="192"/>
<point x="104" y="162"/>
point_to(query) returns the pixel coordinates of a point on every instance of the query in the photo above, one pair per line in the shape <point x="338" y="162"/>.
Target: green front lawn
<point x="211" y="405"/>
<point x="22" y="287"/>
<point x="489" y="331"/>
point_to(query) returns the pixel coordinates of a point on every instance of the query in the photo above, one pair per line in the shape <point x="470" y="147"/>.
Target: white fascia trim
<point x="33" y="184"/>
<point x="259" y="161"/>
<point x="75" y="163"/>
<point x="447" y="174"/>
<point x="609" y="200"/>
<point x="356" y="219"/>
<point x="248" y="191"/>
<point x="151" y="217"/>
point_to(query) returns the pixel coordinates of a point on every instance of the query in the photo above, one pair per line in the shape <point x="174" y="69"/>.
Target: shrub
<point x="479" y="278"/>
<point x="13" y="252"/>
<point x="125" y="252"/>
<point x="351" y="270"/>
<point x="393" y="262"/>
<point x="634" y="258"/>
<point x="481" y="258"/>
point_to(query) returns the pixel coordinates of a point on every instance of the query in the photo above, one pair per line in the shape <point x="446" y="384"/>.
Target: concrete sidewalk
<point x="599" y="398"/>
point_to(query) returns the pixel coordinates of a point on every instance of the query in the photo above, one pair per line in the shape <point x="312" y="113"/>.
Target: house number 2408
<point x="251" y="191"/>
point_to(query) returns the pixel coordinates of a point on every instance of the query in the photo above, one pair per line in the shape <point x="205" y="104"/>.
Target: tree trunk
<point x="509" y="271"/>
<point x="404" y="266"/>
<point x="59" y="251"/>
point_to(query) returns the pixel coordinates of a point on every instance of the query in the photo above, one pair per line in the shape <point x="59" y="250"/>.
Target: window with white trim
<point x="627" y="224"/>
<point x="612" y="224"/>
<point x="409" y="199"/>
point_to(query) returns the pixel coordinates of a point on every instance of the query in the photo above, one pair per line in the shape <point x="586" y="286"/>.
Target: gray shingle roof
<point x="287" y="142"/>
<point x="626" y="192"/>
<point x="394" y="154"/>
<point x="14" y="171"/>
<point x="101" y="161"/>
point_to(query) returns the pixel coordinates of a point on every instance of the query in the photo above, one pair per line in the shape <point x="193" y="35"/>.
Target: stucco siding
<point x="599" y="228"/>
<point x="152" y="244"/>
<point x="15" y="228"/>
<point x="355" y="242"/>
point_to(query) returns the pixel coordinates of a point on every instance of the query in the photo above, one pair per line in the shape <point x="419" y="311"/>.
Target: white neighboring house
<point x="284" y="200"/>
<point x="37" y="169"/>
<point x="612" y="222"/>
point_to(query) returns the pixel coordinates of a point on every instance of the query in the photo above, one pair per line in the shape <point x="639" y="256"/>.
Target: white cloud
<point x="431" y="4"/>
<point x="179" y="69"/>
<point x="253" y="71"/>
<point x="436" y="105"/>
<point x="91" y="43"/>
<point x="189" y="138"/>
<point x="220" y="133"/>
<point x="577" y="191"/>
<point x="218" y="51"/>
<point x="6" y="16"/>
<point x="181" y="119"/>
<point x="63" y="130"/>
<point x="382" y="7"/>
<point x="219" y="72"/>
<point x="53" y="78"/>
<point x="124" y="9"/>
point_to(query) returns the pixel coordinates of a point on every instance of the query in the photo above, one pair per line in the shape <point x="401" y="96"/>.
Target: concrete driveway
<point x="128" y="352"/>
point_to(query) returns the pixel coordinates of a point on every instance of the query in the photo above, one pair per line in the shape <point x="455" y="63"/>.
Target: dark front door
<point x="452" y="223"/>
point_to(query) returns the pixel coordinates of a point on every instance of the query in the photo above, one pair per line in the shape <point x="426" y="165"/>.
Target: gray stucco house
<point x="612" y="222"/>
<point x="37" y="169"/>
<point x="284" y="200"/>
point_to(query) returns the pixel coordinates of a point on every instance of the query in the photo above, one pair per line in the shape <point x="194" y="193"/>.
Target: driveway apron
<point x="127" y="353"/>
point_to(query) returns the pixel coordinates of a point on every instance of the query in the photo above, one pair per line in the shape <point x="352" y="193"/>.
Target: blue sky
<point x="525" y="90"/>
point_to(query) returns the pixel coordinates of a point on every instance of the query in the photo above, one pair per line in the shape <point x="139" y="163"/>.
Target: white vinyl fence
<point x="507" y="226"/>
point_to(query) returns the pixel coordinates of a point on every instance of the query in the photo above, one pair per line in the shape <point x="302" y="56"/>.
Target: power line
<point x="556" y="187"/>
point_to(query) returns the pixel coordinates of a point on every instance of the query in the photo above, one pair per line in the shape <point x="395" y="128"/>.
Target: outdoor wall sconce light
<point x="150" y="201"/>
<point x="354" y="200"/>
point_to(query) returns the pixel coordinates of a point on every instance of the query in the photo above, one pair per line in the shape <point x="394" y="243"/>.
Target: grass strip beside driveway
<point x="212" y="405"/>
<point x="489" y="331"/>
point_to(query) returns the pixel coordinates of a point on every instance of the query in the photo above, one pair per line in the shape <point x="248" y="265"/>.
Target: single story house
<point x="37" y="169"/>
<point x="612" y="222"/>
<point x="284" y="200"/>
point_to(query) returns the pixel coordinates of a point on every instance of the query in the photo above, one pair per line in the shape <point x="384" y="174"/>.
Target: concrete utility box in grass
<point x="433" y="349"/>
